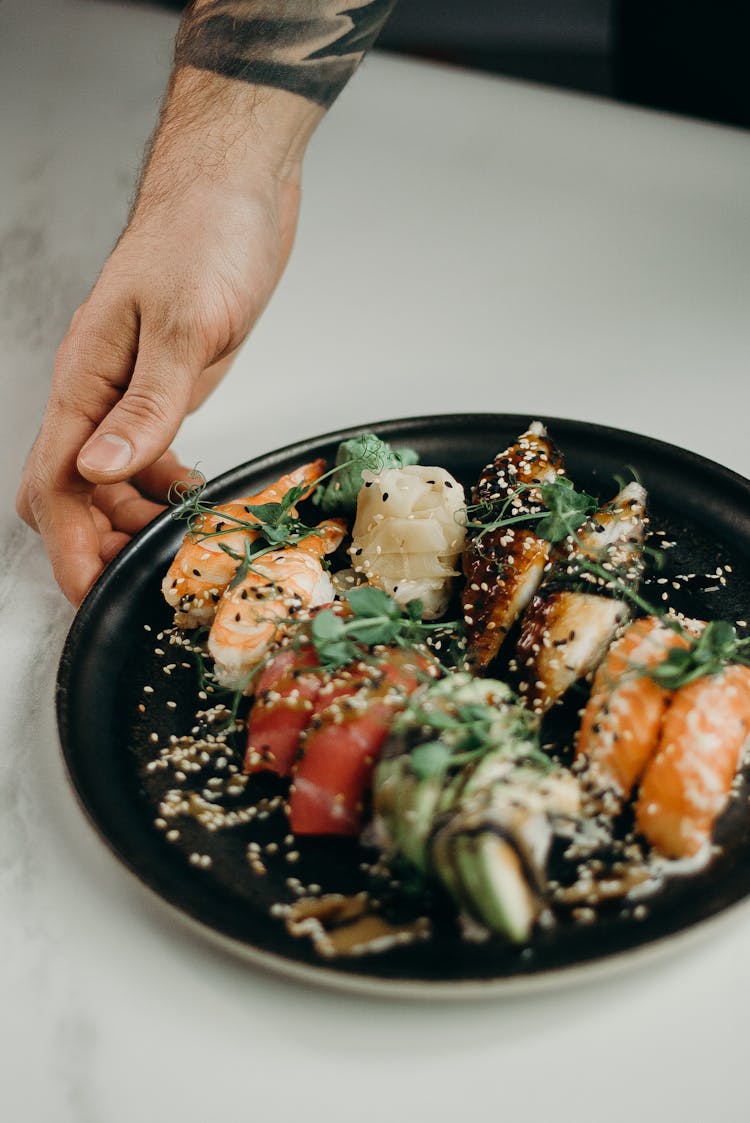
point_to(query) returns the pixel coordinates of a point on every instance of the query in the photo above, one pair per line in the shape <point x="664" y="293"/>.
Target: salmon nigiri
<point x="621" y="722"/>
<point x="687" y="783"/>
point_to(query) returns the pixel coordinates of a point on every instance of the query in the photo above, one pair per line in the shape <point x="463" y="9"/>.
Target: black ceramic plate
<point x="109" y="657"/>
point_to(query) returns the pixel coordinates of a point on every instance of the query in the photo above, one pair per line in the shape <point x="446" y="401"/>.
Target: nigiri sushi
<point x="253" y="611"/>
<point x="209" y="555"/>
<point x="504" y="566"/>
<point x="350" y="720"/>
<point x="687" y="783"/>
<point x="621" y="722"/>
<point x="582" y="601"/>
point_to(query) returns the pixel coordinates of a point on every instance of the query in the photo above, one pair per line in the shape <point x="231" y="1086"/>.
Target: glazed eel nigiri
<point x="582" y="601"/>
<point x="503" y="566"/>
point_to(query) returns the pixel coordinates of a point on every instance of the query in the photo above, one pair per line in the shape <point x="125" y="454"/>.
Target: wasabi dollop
<point x="367" y="451"/>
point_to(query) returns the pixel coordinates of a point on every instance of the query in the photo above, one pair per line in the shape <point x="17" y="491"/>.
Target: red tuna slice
<point x="285" y="700"/>
<point x="355" y="712"/>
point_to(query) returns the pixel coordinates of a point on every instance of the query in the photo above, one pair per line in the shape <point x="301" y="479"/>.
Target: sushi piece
<point x="687" y="784"/>
<point x="285" y="696"/>
<point x="408" y="534"/>
<point x="464" y="794"/>
<point x="622" y="719"/>
<point x="492" y="852"/>
<point x="582" y="601"/>
<point x="253" y="612"/>
<point x="504" y="566"/>
<point x="350" y="721"/>
<point x="202" y="568"/>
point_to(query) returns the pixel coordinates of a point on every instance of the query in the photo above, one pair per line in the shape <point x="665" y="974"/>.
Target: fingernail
<point x="107" y="453"/>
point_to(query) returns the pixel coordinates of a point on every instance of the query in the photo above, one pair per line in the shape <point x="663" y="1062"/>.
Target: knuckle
<point x="147" y="405"/>
<point x="23" y="507"/>
<point x="184" y="335"/>
<point x="77" y="316"/>
<point x="30" y="501"/>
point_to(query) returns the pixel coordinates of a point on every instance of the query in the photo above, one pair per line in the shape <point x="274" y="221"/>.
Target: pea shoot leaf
<point x="367" y="601"/>
<point x="327" y="627"/>
<point x="375" y="619"/>
<point x="717" y="646"/>
<point x="431" y="758"/>
<point x="567" y="509"/>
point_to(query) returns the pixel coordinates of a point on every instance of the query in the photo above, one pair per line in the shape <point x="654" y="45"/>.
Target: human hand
<point x="207" y="242"/>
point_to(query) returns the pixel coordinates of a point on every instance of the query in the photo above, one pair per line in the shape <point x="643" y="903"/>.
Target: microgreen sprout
<point x="375" y="619"/>
<point x="717" y="646"/>
<point x="461" y="731"/>
<point x="557" y="510"/>
<point x="276" y="524"/>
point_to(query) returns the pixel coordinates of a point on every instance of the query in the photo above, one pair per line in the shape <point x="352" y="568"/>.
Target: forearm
<point x="307" y="47"/>
<point x="251" y="80"/>
<point x="223" y="137"/>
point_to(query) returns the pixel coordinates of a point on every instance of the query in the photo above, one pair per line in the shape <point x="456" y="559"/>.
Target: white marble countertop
<point x="465" y="244"/>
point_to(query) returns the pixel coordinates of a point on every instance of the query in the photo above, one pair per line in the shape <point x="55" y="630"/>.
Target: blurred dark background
<point x="685" y="56"/>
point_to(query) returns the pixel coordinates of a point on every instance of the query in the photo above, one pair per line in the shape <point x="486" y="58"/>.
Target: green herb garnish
<point x="376" y="619"/>
<point x="460" y="730"/>
<point x="567" y="509"/>
<point x="564" y="510"/>
<point x="716" y="647"/>
<point x="367" y="451"/>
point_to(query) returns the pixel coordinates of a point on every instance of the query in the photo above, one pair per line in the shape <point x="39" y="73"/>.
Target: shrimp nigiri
<point x="252" y="612"/>
<point x="566" y="629"/>
<point x="202" y="568"/>
<point x="621" y="722"/>
<point x="686" y="785"/>
<point x="503" y="567"/>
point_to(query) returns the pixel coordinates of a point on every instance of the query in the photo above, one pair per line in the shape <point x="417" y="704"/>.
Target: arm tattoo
<point x="309" y="47"/>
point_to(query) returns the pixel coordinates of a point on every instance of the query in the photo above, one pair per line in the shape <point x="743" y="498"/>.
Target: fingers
<point x="72" y="540"/>
<point x="93" y="362"/>
<point x="111" y="544"/>
<point x="156" y="480"/>
<point x="139" y="429"/>
<point x="125" y="509"/>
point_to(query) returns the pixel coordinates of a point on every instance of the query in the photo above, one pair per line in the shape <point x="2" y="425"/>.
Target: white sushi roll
<point x="409" y="533"/>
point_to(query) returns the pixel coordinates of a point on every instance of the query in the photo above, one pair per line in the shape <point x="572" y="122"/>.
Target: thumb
<point x="143" y="424"/>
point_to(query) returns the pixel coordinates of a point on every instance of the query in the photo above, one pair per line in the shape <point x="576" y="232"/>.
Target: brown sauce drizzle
<point x="348" y="926"/>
